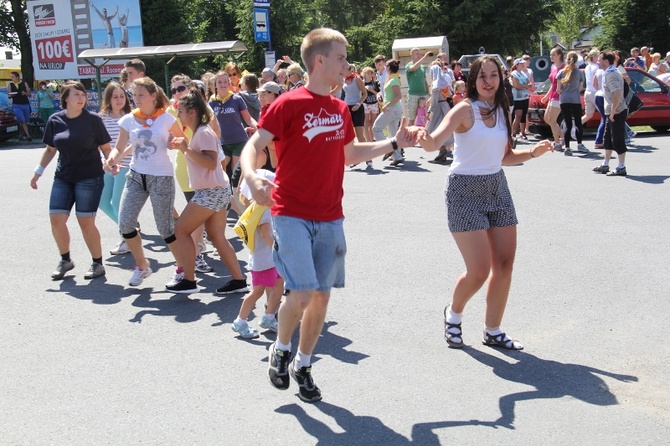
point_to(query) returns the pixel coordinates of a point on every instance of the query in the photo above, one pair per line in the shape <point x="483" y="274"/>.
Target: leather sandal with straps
<point x="501" y="340"/>
<point x="452" y="332"/>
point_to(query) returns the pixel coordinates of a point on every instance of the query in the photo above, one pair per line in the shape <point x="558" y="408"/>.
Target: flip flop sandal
<point x="501" y="340"/>
<point x="452" y="332"/>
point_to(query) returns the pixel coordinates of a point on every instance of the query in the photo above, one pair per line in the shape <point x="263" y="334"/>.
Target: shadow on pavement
<point x="366" y="430"/>
<point x="649" y="179"/>
<point x="551" y="379"/>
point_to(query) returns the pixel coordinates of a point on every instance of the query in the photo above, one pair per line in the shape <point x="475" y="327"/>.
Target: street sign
<point x="262" y="24"/>
<point x="261" y="3"/>
<point x="270" y="59"/>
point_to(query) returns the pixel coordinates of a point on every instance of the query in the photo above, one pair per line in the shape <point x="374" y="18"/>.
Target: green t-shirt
<point x="416" y="80"/>
<point x="388" y="89"/>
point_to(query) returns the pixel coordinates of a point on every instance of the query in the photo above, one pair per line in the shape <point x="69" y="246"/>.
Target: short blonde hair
<point x="319" y="42"/>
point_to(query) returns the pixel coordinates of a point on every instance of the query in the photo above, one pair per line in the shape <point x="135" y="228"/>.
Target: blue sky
<point x="132" y="5"/>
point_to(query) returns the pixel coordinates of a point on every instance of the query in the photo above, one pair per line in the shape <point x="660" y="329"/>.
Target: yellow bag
<point x="246" y="225"/>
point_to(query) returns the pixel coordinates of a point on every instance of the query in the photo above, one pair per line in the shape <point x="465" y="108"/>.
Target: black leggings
<point x="572" y="112"/>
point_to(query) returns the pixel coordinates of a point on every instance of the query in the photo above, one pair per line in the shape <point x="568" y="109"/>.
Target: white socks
<point x="302" y="360"/>
<point x="454" y="318"/>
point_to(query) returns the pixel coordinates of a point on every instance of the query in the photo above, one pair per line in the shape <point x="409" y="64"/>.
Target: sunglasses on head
<point x="179" y="89"/>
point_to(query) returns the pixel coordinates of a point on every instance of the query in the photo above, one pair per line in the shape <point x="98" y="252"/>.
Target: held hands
<point x="408" y="136"/>
<point x="261" y="190"/>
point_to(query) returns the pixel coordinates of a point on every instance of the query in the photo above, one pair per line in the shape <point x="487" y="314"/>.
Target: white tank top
<point x="480" y="150"/>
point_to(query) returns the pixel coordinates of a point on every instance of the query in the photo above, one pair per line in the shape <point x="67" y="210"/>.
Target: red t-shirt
<point x="310" y="132"/>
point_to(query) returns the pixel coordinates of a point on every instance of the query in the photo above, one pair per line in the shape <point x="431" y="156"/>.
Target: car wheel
<point x="661" y="128"/>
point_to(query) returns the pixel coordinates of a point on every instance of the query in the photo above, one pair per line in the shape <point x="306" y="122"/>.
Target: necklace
<point x="148" y="120"/>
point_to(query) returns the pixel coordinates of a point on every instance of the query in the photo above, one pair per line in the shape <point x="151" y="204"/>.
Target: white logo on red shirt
<point x="323" y="123"/>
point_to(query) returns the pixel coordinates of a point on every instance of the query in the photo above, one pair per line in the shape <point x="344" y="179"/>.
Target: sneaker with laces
<point x="278" y="364"/>
<point x="139" y="275"/>
<point x="581" y="148"/>
<point x="567" y="152"/>
<point x="233" y="286"/>
<point x="63" y="267"/>
<point x="201" y="265"/>
<point x="184" y="286"/>
<point x="307" y="389"/>
<point x="269" y="323"/>
<point x="178" y="277"/>
<point x="96" y="270"/>
<point x="245" y="330"/>
<point x="121" y="248"/>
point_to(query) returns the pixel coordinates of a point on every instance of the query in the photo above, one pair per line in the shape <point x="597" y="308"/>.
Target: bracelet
<point x="394" y="144"/>
<point x="530" y="152"/>
<point x="39" y="170"/>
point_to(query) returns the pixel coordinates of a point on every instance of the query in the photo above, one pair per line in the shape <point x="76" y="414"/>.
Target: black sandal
<point x="452" y="332"/>
<point x="501" y="340"/>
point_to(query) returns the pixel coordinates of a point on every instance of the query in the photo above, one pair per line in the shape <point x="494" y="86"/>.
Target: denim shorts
<point x="83" y="194"/>
<point x="21" y="112"/>
<point x="309" y="255"/>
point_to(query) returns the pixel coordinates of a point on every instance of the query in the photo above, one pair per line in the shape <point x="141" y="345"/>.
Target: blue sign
<point x="262" y="3"/>
<point x="262" y="24"/>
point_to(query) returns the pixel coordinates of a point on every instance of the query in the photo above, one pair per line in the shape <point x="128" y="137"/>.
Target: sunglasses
<point x="179" y="89"/>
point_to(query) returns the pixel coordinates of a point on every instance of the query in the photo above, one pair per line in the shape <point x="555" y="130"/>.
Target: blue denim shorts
<point x="309" y="255"/>
<point x="21" y="112"/>
<point x="83" y="194"/>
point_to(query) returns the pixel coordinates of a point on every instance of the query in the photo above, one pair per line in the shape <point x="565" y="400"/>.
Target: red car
<point x="654" y="94"/>
<point x="9" y="127"/>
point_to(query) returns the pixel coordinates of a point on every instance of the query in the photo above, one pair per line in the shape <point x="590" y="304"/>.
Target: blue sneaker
<point x="245" y="330"/>
<point x="269" y="323"/>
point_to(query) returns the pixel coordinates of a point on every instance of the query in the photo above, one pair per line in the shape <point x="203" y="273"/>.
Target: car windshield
<point x="544" y="87"/>
<point x="642" y="83"/>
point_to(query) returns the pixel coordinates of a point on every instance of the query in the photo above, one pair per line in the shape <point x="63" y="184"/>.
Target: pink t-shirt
<point x="553" y="91"/>
<point x="421" y="118"/>
<point x="204" y="139"/>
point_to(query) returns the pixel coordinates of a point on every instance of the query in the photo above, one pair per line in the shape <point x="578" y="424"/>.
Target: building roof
<point x="165" y="51"/>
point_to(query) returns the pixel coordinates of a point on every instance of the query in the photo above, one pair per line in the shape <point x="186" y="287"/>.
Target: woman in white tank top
<point x="480" y="209"/>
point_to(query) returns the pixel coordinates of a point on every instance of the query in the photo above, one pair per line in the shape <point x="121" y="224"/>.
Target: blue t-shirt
<point x="229" y="115"/>
<point x="77" y="141"/>
<point x="522" y="78"/>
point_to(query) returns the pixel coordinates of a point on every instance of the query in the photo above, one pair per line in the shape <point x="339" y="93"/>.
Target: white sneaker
<point x="581" y="148"/>
<point x="121" y="248"/>
<point x="178" y="277"/>
<point x="201" y="265"/>
<point x="139" y="275"/>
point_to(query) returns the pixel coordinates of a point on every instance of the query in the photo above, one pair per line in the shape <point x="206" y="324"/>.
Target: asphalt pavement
<point x="98" y="362"/>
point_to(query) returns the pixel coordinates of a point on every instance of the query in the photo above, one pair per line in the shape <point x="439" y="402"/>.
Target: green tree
<point x="630" y="23"/>
<point x="15" y="34"/>
<point x="573" y="17"/>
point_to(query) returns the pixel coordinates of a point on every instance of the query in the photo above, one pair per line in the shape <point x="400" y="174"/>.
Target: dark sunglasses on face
<point x="179" y="89"/>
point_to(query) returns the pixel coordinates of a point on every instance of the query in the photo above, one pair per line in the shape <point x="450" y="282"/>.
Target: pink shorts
<point x="267" y="278"/>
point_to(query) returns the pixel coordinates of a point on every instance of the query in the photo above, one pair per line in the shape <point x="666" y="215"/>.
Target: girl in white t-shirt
<point x="212" y="194"/>
<point x="146" y="132"/>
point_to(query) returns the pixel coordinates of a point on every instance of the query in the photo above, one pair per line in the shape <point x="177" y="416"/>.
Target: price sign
<point x="53" y="53"/>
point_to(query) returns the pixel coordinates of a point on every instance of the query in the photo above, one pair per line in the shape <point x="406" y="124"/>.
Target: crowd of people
<point x="245" y="143"/>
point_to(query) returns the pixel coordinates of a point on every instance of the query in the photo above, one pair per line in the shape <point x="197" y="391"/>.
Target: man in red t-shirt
<point x="314" y="141"/>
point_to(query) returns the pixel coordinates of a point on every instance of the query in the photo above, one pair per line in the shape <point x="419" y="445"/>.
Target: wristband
<point x="530" y="152"/>
<point x="394" y="144"/>
<point x="39" y="170"/>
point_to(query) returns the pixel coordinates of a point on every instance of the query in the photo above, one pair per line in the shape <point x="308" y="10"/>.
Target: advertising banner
<point x="61" y="29"/>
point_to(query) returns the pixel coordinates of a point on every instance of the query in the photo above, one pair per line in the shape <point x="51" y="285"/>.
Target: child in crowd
<point x="264" y="276"/>
<point x="421" y="115"/>
<point x="459" y="91"/>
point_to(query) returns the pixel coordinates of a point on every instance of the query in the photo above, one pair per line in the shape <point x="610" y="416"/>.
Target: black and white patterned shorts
<point x="215" y="198"/>
<point x="479" y="202"/>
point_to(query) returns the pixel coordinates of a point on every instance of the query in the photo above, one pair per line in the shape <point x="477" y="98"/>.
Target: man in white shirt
<point x="590" y="93"/>
<point x="382" y="75"/>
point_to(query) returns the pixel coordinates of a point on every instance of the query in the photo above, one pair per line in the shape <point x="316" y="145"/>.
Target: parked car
<point x="654" y="113"/>
<point x="9" y="127"/>
<point x="467" y="59"/>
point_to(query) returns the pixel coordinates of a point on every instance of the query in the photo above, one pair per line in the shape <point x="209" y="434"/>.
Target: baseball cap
<point x="272" y="87"/>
